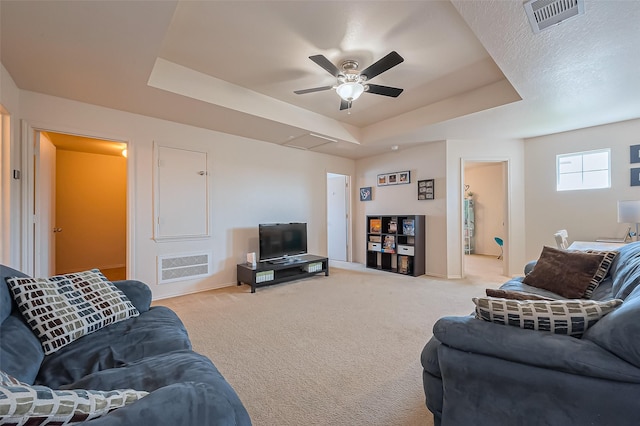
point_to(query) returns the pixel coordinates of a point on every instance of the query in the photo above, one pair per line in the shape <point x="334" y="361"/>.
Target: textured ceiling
<point x="472" y="69"/>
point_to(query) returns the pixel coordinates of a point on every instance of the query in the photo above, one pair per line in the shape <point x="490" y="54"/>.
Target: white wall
<point x="10" y="198"/>
<point x="252" y="182"/>
<point x="510" y="151"/>
<point x="585" y="214"/>
<point x="424" y="162"/>
<point x="485" y="180"/>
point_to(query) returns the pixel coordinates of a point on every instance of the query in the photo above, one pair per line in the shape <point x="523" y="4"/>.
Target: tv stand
<point x="270" y="272"/>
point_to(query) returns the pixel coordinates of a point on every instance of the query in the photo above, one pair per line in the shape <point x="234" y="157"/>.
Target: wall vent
<point x="543" y="14"/>
<point x="183" y="267"/>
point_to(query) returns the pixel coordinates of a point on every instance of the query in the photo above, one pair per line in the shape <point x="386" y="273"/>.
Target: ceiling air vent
<point x="543" y="14"/>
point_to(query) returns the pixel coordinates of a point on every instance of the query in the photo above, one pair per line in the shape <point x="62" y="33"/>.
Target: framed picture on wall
<point x="365" y="193"/>
<point x="426" y="189"/>
<point x="395" y="178"/>
<point x="634" y="154"/>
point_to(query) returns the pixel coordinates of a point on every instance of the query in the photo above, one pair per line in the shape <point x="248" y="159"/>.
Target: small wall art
<point x="426" y="189"/>
<point x="634" y="154"/>
<point x="365" y="193"/>
<point x="635" y="176"/>
<point x="395" y="178"/>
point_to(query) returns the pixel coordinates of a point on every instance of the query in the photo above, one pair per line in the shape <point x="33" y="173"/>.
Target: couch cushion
<point x="64" y="308"/>
<point x="157" y="331"/>
<point x="625" y="270"/>
<point x="572" y="317"/>
<point x="618" y="332"/>
<point x="567" y="273"/>
<point x="7" y="303"/>
<point x="22" y="404"/>
<point x="20" y="350"/>
<point x="515" y="295"/>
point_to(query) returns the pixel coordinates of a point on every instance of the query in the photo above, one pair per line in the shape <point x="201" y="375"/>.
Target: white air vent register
<point x="543" y="14"/>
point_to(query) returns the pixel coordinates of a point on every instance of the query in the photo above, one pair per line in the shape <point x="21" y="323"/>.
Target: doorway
<point x="485" y="217"/>
<point x="80" y="205"/>
<point x="338" y="216"/>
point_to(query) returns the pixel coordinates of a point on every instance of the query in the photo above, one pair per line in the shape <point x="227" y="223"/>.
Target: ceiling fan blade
<point x="394" y="92"/>
<point x="314" y="89"/>
<point x="326" y="64"/>
<point x="384" y="64"/>
<point x="344" y="104"/>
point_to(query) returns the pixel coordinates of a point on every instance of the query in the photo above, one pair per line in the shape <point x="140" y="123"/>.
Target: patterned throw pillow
<point x="22" y="404"/>
<point x="566" y="273"/>
<point x="571" y="317"/>
<point x="602" y="272"/>
<point x="64" y="308"/>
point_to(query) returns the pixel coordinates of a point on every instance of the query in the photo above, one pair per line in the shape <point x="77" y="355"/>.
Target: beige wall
<point x="424" y="162"/>
<point x="91" y="207"/>
<point x="251" y="182"/>
<point x="586" y="214"/>
<point x="10" y="214"/>
<point x="510" y="151"/>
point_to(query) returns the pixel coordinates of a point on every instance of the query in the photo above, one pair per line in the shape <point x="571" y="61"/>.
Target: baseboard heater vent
<point x="183" y="267"/>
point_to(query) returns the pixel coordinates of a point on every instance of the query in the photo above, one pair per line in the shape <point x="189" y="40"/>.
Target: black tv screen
<point x="278" y="240"/>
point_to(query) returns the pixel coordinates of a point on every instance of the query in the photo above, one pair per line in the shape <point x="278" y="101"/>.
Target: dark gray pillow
<point x="566" y="273"/>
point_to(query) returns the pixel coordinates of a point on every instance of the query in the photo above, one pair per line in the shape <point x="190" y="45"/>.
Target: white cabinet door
<point x="182" y="206"/>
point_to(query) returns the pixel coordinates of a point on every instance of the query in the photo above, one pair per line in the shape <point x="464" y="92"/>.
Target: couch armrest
<point x="180" y="404"/>
<point x="138" y="292"/>
<point x="529" y="266"/>
<point x="535" y="348"/>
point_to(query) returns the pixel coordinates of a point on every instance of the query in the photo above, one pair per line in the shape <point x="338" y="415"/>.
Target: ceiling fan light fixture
<point x="350" y="91"/>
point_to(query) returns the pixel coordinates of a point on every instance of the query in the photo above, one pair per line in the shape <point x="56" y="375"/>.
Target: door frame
<point x="348" y="213"/>
<point x="30" y="212"/>
<point x="505" y="163"/>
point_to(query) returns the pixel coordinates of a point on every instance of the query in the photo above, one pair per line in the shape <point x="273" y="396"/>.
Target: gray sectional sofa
<point x="478" y="372"/>
<point x="149" y="354"/>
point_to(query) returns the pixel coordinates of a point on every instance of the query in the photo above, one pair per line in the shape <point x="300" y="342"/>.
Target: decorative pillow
<point x="21" y="404"/>
<point x="515" y="295"/>
<point x="602" y="272"/>
<point x="64" y="308"/>
<point x="567" y="273"/>
<point x="571" y="317"/>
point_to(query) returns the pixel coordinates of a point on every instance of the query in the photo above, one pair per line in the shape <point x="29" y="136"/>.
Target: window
<point x="583" y="170"/>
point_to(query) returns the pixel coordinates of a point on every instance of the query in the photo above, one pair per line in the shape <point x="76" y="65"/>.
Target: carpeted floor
<point x="337" y="350"/>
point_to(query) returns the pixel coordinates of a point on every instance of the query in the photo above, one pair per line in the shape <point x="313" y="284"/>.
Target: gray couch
<point x="480" y="373"/>
<point x="150" y="352"/>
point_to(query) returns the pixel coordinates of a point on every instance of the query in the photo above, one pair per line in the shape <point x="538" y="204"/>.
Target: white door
<point x="45" y="207"/>
<point x="337" y="216"/>
<point x="38" y="203"/>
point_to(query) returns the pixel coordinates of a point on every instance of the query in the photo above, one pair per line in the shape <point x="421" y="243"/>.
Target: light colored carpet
<point x="337" y="350"/>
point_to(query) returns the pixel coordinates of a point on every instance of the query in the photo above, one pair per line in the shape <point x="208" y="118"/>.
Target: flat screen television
<point x="281" y="240"/>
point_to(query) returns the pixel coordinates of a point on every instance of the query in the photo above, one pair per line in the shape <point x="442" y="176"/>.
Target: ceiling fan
<point x="353" y="83"/>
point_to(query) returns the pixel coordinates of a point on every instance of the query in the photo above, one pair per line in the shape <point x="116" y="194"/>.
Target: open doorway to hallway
<point x="81" y="204"/>
<point x="485" y="217"/>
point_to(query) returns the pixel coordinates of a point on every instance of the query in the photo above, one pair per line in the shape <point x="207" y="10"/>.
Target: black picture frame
<point x="366" y="193"/>
<point x="635" y="176"/>
<point x="634" y="154"/>
<point x="426" y="189"/>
